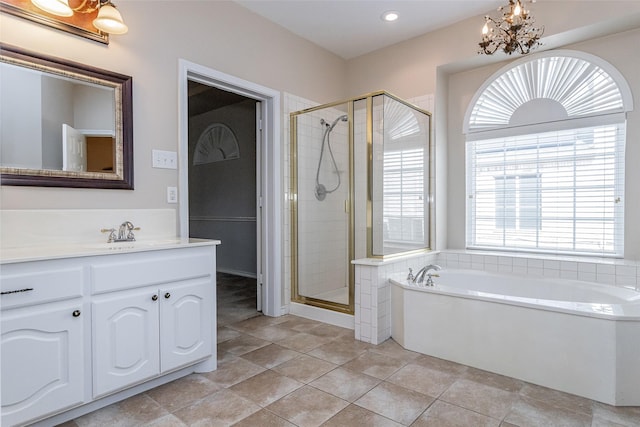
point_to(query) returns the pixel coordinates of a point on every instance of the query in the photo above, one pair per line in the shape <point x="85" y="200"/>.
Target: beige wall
<point x="614" y="49"/>
<point x="219" y="35"/>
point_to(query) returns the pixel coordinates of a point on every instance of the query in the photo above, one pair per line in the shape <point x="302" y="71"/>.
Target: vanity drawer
<point x="20" y="288"/>
<point x="151" y="268"/>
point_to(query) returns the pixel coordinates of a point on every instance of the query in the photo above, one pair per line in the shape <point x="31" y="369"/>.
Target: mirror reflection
<point x="54" y="122"/>
<point x="400" y="173"/>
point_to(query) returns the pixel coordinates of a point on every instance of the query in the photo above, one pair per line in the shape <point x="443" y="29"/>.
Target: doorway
<point x="224" y="178"/>
<point x="268" y="173"/>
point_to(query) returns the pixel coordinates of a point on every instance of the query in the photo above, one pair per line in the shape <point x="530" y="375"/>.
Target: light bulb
<point x="518" y="9"/>
<point x="485" y="29"/>
<point x="109" y="20"/>
<point x="390" y="16"/>
<point x="54" y="7"/>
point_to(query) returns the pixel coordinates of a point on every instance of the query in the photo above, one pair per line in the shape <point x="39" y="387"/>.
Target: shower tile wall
<point x="323" y="225"/>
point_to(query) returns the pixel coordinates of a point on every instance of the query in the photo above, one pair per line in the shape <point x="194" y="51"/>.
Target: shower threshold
<point x="340" y="295"/>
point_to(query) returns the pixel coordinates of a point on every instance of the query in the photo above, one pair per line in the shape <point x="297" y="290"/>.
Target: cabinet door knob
<point x="76" y="313"/>
<point x="154" y="298"/>
<point x="167" y="295"/>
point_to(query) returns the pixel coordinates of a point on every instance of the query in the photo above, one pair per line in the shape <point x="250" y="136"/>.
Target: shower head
<point x="342" y="118"/>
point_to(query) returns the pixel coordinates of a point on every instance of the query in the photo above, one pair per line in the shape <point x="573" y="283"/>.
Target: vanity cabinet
<point x="139" y="334"/>
<point x="78" y="332"/>
<point x="42" y="361"/>
<point x="125" y="344"/>
<point x="42" y="346"/>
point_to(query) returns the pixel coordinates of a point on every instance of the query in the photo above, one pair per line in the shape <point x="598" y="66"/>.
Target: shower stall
<point x="359" y="188"/>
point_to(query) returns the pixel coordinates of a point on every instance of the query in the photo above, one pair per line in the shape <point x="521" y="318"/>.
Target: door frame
<point x="270" y="171"/>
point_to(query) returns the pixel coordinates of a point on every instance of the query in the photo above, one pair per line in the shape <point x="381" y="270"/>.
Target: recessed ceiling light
<point x="389" y="16"/>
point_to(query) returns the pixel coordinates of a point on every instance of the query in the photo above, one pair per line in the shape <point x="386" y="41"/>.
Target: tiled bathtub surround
<point x="616" y="272"/>
<point x="373" y="291"/>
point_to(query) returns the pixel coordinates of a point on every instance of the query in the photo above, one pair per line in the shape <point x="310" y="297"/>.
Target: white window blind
<point x="545" y="157"/>
<point x="578" y="88"/>
<point x="403" y="193"/>
<point x="558" y="191"/>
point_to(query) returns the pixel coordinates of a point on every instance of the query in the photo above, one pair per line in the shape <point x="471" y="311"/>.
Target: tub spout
<point x="419" y="278"/>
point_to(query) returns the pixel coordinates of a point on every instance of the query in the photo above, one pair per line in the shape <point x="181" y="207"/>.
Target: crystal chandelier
<point x="513" y="32"/>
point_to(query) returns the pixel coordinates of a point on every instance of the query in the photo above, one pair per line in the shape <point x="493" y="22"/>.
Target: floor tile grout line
<point x="519" y="394"/>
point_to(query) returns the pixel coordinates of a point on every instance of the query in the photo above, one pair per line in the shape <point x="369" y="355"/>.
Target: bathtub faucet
<point x="419" y="278"/>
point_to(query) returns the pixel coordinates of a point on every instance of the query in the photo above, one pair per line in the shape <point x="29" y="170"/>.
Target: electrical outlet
<point x="164" y="159"/>
<point x="172" y="195"/>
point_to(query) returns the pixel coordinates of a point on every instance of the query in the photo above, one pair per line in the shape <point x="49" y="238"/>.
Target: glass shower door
<point x="321" y="183"/>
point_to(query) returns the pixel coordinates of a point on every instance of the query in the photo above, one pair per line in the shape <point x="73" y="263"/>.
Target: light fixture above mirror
<point x="109" y="19"/>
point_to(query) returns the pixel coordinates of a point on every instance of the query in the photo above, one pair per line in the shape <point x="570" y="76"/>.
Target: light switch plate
<point x="164" y="159"/>
<point x="172" y="194"/>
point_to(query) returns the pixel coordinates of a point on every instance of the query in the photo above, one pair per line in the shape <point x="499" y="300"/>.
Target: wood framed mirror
<point x="64" y="124"/>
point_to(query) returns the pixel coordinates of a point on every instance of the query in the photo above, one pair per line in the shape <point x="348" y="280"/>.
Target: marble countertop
<point x="46" y="252"/>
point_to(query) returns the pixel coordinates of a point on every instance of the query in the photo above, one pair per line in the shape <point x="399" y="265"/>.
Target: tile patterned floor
<point x="291" y="371"/>
<point x="236" y="298"/>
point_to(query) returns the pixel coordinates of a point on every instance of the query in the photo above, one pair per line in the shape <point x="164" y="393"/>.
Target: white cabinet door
<point x="186" y="322"/>
<point x="125" y="339"/>
<point x="42" y="355"/>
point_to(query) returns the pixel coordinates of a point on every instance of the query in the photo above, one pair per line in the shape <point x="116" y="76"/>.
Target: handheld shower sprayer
<point x="321" y="191"/>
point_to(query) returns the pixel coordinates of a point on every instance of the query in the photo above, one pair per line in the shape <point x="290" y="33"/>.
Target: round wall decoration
<point x="216" y="143"/>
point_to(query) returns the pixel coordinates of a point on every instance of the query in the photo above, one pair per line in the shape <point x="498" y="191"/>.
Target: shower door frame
<point x="351" y="203"/>
<point x="293" y="186"/>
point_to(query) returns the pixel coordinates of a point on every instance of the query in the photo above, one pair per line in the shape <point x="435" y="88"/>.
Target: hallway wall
<point x="222" y="195"/>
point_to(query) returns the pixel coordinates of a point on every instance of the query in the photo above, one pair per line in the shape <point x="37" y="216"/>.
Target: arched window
<point x="545" y="157"/>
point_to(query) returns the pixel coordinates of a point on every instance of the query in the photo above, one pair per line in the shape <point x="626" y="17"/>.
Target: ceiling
<point x="204" y="98"/>
<point x="350" y="28"/>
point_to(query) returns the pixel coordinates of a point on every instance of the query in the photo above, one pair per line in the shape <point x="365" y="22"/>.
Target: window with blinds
<point x="403" y="192"/>
<point x="552" y="181"/>
<point x="554" y="191"/>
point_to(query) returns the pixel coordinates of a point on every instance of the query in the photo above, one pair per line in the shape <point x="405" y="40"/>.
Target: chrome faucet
<point x="125" y="233"/>
<point x="419" y="278"/>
